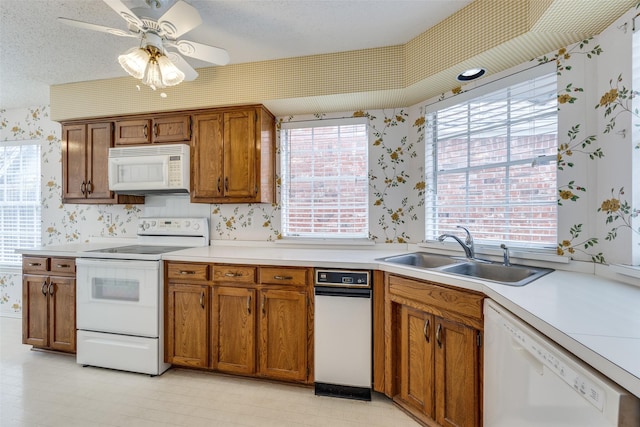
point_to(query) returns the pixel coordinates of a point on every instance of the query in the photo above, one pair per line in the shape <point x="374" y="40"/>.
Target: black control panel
<point x="343" y="278"/>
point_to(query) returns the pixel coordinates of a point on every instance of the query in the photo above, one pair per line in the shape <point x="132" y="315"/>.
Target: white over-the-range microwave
<point x="152" y="169"/>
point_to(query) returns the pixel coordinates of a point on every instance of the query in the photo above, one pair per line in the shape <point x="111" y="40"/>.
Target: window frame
<point x="36" y="226"/>
<point x="285" y="162"/>
<point x="475" y="91"/>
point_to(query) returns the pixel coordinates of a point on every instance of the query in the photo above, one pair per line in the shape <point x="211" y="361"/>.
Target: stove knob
<point x="153" y="223"/>
<point x="196" y="226"/>
<point x="145" y="225"/>
<point x="187" y="224"/>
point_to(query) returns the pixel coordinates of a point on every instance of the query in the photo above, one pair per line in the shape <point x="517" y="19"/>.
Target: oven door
<point x="118" y="296"/>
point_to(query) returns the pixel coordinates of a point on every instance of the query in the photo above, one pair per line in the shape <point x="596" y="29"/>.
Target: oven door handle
<point x="334" y="291"/>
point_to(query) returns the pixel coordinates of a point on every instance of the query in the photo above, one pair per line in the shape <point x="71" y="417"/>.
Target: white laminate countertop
<point x="595" y="318"/>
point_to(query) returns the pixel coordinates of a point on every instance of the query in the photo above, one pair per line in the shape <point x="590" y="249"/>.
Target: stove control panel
<point x="173" y="227"/>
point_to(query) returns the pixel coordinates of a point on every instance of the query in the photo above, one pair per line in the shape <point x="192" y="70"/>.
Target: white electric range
<point x="120" y="296"/>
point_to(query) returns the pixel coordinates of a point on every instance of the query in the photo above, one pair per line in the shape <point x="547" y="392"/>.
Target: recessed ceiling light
<point x="471" y="74"/>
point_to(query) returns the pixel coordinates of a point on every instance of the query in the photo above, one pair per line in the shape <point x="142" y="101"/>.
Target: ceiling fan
<point x="158" y="31"/>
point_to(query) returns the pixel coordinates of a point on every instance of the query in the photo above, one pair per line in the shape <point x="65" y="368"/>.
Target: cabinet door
<point x="283" y="334"/>
<point x="187" y="325"/>
<point x="74" y="162"/>
<point x="99" y="140"/>
<point x="35" y="310"/>
<point x="240" y="154"/>
<point x="233" y="326"/>
<point x="132" y="132"/>
<point x="62" y="313"/>
<point x="172" y="129"/>
<point x="417" y="359"/>
<point x="457" y="374"/>
<point x="207" y="157"/>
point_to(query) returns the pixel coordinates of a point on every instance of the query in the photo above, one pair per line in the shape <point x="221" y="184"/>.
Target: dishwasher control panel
<point x="343" y="278"/>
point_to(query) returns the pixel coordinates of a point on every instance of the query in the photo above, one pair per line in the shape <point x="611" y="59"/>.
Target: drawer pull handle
<point x="51" y="288"/>
<point x="146" y="131"/>
<point x="439" y="335"/>
<point x="264" y="301"/>
<point x="426" y="330"/>
<point x="249" y="304"/>
<point x="233" y="274"/>
<point x="83" y="188"/>
<point x="34" y="264"/>
<point x="63" y="265"/>
<point x="219" y="189"/>
<point x="202" y="299"/>
<point x="283" y="277"/>
<point x="89" y="187"/>
<point x="44" y="291"/>
<point x="155" y="130"/>
<point x="187" y="272"/>
<point x="226" y="184"/>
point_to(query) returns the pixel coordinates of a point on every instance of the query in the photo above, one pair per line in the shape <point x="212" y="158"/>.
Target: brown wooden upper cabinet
<point x="166" y="129"/>
<point x="232" y="155"/>
<point x="85" y="149"/>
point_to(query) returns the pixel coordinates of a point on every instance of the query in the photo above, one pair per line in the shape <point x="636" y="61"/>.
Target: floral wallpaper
<point x="598" y="159"/>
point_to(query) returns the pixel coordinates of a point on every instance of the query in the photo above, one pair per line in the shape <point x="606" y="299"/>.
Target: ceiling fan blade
<point x="88" y="26"/>
<point x="179" y="19"/>
<point x="124" y="12"/>
<point x="178" y="61"/>
<point x="214" y="55"/>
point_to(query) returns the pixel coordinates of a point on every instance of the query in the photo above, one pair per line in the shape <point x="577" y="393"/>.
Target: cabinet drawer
<point x="35" y="264"/>
<point x="234" y="273"/>
<point x="63" y="265"/>
<point x="441" y="298"/>
<point x="284" y="276"/>
<point x="188" y="271"/>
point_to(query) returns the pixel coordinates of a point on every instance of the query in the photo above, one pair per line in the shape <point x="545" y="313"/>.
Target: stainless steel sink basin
<point x="421" y="259"/>
<point x="514" y="275"/>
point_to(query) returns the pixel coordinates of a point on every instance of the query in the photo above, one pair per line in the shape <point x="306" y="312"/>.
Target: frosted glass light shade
<point x="152" y="77"/>
<point x="171" y="75"/>
<point x="134" y="61"/>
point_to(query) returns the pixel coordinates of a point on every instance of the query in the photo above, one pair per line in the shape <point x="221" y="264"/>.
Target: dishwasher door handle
<point x="333" y="291"/>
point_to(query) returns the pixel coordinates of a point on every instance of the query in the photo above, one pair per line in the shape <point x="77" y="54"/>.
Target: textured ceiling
<point x="37" y="51"/>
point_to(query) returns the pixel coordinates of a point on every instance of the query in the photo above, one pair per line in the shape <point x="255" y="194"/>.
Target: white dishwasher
<point x="530" y="381"/>
<point x="342" y="334"/>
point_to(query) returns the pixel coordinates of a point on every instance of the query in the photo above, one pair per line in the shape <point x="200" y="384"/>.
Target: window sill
<point x="324" y="242"/>
<point x="493" y="252"/>
<point x="626" y="270"/>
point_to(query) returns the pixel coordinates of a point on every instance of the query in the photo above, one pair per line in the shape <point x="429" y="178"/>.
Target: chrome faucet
<point x="505" y="255"/>
<point x="467" y="245"/>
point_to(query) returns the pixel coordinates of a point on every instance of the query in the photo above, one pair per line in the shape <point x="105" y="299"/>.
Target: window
<point x="494" y="163"/>
<point x="19" y="198"/>
<point x="325" y="187"/>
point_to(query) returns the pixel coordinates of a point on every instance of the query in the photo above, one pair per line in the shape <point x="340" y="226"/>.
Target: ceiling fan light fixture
<point x="170" y="74"/>
<point x="135" y="61"/>
<point x="152" y="76"/>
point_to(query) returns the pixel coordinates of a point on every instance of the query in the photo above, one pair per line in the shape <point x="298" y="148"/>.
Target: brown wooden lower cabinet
<point x="434" y="358"/>
<point x="48" y="303"/>
<point x="225" y="318"/>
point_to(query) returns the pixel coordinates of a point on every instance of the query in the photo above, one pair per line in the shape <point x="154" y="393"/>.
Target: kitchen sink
<point x="512" y="275"/>
<point x="421" y="259"/>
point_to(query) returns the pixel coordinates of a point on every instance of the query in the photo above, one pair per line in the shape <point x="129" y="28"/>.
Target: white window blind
<point x="494" y="164"/>
<point x="324" y="166"/>
<point x="19" y="198"/>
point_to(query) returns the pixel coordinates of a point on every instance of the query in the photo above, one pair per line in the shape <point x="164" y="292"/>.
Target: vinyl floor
<point x="47" y="389"/>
